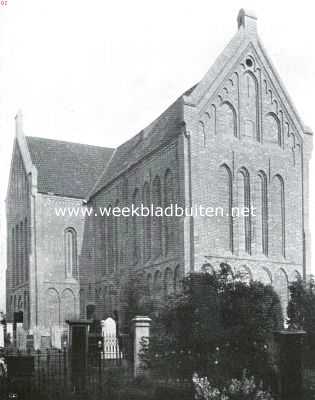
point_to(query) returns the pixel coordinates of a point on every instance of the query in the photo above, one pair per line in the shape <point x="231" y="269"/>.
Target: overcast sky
<point x="98" y="71"/>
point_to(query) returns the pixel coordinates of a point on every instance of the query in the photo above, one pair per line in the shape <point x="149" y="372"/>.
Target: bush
<point x="168" y="392"/>
<point x="217" y="327"/>
<point x="235" y="389"/>
<point x="301" y="313"/>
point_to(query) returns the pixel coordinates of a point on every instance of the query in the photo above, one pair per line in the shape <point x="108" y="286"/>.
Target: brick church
<point x="232" y="140"/>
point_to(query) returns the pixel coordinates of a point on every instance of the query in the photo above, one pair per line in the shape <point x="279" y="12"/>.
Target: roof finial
<point x="19" y="123"/>
<point x="247" y="19"/>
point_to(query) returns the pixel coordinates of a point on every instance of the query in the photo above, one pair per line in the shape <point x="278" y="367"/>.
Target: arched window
<point x="157" y="220"/>
<point x="71" y="252"/>
<point x="250" y="106"/>
<point x="168" y="282"/>
<point x="111" y="240"/>
<point x="177" y="280"/>
<point x="245" y="216"/>
<point x="13" y="253"/>
<point x="21" y="252"/>
<point x="150" y="284"/>
<point x="227" y="270"/>
<point x="82" y="303"/>
<point x="272" y="129"/>
<point x="136" y="228"/>
<point x="17" y="253"/>
<point x="67" y="308"/>
<point x="224" y="231"/>
<point x="26" y="249"/>
<point x="278" y="216"/>
<point x="125" y="202"/>
<point x="266" y="276"/>
<point x="227" y="120"/>
<point x="116" y="238"/>
<point x="147" y="222"/>
<point x="52" y="313"/>
<point x="262" y="213"/>
<point x="157" y="284"/>
<point x="244" y="273"/>
<point x="169" y="200"/>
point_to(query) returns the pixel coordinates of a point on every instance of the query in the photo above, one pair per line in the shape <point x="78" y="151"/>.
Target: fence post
<point x="141" y="329"/>
<point x="290" y="363"/>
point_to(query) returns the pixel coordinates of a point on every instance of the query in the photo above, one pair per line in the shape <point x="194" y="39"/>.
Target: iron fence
<point x="59" y="374"/>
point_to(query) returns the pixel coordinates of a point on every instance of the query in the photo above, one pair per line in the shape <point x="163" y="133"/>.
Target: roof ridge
<point x="69" y="142"/>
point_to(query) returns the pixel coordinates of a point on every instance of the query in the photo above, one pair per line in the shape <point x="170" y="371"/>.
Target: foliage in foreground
<point x="301" y="313"/>
<point x="218" y="327"/>
<point x="235" y="389"/>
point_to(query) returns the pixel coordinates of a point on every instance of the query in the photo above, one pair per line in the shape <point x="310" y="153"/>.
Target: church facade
<point x="233" y="140"/>
<point x="44" y="249"/>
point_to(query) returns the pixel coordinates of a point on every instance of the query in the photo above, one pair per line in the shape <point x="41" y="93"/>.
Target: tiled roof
<point x="160" y="131"/>
<point x="67" y="169"/>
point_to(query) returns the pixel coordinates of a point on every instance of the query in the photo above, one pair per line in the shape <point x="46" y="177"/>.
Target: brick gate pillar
<point x="78" y="341"/>
<point x="141" y="329"/>
<point x="290" y="363"/>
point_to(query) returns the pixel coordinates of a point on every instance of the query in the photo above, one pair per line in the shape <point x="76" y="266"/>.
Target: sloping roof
<point x="67" y="169"/>
<point x="160" y="131"/>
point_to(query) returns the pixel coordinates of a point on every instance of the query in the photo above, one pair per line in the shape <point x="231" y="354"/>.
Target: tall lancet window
<point x="147" y="222"/>
<point x="278" y="229"/>
<point x="156" y="220"/>
<point x="262" y="213"/>
<point x="250" y="106"/>
<point x="110" y="240"/>
<point x="169" y="220"/>
<point x="71" y="252"/>
<point x="136" y="228"/>
<point x="245" y="228"/>
<point x="224" y="231"/>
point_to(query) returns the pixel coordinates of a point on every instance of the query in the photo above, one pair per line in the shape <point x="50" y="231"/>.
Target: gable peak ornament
<point x="247" y="20"/>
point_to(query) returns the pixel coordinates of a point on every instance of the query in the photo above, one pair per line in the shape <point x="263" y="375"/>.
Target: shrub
<point x="301" y="313"/>
<point x="235" y="389"/>
<point x="218" y="326"/>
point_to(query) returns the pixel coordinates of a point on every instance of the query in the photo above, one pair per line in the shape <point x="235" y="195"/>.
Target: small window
<point x="71" y="252"/>
<point x="249" y="62"/>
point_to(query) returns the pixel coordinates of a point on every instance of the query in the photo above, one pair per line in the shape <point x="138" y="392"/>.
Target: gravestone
<point x="110" y="341"/>
<point x="21" y="335"/>
<point x="37" y="338"/>
<point x="9" y="337"/>
<point x="56" y="336"/>
<point x="108" y="327"/>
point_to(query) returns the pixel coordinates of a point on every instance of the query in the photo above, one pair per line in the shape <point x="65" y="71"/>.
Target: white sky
<point x="98" y="71"/>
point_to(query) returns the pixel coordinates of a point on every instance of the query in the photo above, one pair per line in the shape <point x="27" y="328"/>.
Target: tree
<point x="217" y="327"/>
<point x="301" y="312"/>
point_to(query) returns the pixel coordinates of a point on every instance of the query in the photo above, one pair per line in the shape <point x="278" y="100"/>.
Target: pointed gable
<point x="244" y="84"/>
<point x="240" y="96"/>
